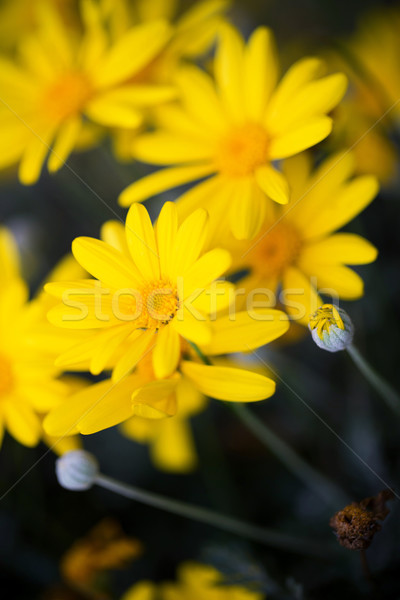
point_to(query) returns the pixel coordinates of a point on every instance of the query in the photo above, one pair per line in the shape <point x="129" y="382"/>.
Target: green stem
<point x="320" y="484"/>
<point x="383" y="388"/>
<point x="268" y="537"/>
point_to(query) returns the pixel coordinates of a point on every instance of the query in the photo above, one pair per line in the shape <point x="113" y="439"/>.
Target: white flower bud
<point x="331" y="328"/>
<point x="77" y="470"/>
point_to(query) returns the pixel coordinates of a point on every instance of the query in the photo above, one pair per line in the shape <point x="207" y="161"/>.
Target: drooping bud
<point x="77" y="470"/>
<point x="331" y="328"/>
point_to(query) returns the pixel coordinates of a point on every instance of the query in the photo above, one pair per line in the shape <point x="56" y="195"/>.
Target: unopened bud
<point x="331" y="328"/>
<point x="77" y="470"/>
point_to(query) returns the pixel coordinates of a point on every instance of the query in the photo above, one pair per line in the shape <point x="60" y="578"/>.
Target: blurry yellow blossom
<point x="234" y="128"/>
<point x="195" y="582"/>
<point x="370" y="113"/>
<point x="19" y="18"/>
<point x="28" y="379"/>
<point x="192" y="35"/>
<point x="105" y="547"/>
<point x="297" y="250"/>
<point x="59" y="82"/>
<point x="154" y="294"/>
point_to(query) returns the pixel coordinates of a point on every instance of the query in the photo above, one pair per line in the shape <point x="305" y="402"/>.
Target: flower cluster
<point x="153" y="308"/>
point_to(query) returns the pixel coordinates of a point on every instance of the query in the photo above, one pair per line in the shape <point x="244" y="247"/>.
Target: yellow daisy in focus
<point x="297" y="251"/>
<point x="28" y="384"/>
<point x="154" y="296"/>
<point x="234" y="128"/>
<point x="61" y="82"/>
<point x="195" y="581"/>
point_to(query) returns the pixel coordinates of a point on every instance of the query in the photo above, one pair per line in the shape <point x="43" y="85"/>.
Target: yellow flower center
<point x="6" y="376"/>
<point x="67" y="96"/>
<point x="277" y="248"/>
<point x="323" y="318"/>
<point x="242" y="150"/>
<point x="155" y="305"/>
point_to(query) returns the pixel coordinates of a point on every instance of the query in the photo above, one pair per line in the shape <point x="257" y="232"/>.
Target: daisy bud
<point x="331" y="328"/>
<point x="77" y="470"/>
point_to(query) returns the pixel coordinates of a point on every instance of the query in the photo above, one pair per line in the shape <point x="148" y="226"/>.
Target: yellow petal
<point x="206" y="269"/>
<point x="161" y="181"/>
<point x="9" y="257"/>
<point x="312" y="100"/>
<point x="246" y="331"/>
<point x="297" y="76"/>
<point x="199" y="97"/>
<point x="158" y="395"/>
<point x="34" y="156"/>
<point x="247" y="210"/>
<point x="64" y="144"/>
<point x="301" y="138"/>
<point x="139" y="345"/>
<point x="189" y="242"/>
<point x="299" y="296"/>
<point x="346" y="248"/>
<point x="162" y="148"/>
<point x="113" y="114"/>
<point x="142" y="242"/>
<point x="173" y="448"/>
<point x="337" y="281"/>
<point x="140" y="95"/>
<point x="346" y="204"/>
<point x="229" y="71"/>
<point x="105" y="263"/>
<point x="216" y="298"/>
<point x="22" y="422"/>
<point x="113" y="234"/>
<point x="166" y="230"/>
<point x="261" y="72"/>
<point x="132" y="52"/>
<point x="192" y="325"/>
<point x="227" y="383"/>
<point x="273" y="183"/>
<point x="167" y="352"/>
<point x="93" y="408"/>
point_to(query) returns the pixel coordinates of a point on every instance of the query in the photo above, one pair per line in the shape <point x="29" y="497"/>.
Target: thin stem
<point x="384" y="389"/>
<point x="204" y="515"/>
<point x="320" y="484"/>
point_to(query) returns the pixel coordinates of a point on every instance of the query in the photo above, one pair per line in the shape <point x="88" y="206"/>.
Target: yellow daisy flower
<point x="297" y="252"/>
<point x="60" y="82"/>
<point x="28" y="384"/>
<point x="156" y="297"/>
<point x="195" y="580"/>
<point x="234" y="128"/>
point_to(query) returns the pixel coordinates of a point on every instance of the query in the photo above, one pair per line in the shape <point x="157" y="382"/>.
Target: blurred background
<point x="40" y="521"/>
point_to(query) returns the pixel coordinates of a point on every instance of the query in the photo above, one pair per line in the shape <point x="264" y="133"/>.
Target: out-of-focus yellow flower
<point x="234" y="128"/>
<point x="297" y="250"/>
<point x="18" y="18"/>
<point x="154" y="295"/>
<point x="104" y="548"/>
<point x="370" y="112"/>
<point x="195" y="582"/>
<point x="60" y="81"/>
<point x="28" y="379"/>
<point x="193" y="32"/>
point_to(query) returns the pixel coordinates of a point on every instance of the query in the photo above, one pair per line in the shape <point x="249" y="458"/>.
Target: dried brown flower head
<point x="356" y="525"/>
